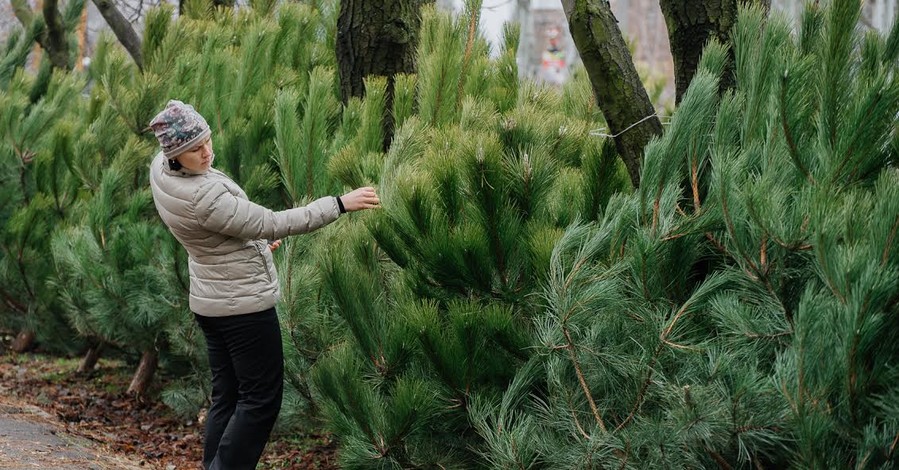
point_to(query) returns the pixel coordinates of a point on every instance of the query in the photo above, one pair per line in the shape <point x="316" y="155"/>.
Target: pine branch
<point x="577" y="421"/>
<point x="788" y="134"/>
<point x="893" y="447"/>
<point x="850" y="149"/>
<point x="12" y="303"/>
<point x="642" y="393"/>
<point x="21" y="265"/>
<point x="754" y="272"/>
<point x="694" y="184"/>
<point x="719" y="460"/>
<point x="55" y="37"/>
<point x="50" y="39"/>
<point x="889" y="244"/>
<point x="580" y="377"/>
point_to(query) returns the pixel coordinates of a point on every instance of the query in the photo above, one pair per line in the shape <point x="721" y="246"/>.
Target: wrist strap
<point x="340" y="206"/>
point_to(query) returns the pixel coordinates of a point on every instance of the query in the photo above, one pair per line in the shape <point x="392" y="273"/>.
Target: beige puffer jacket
<point x="226" y="237"/>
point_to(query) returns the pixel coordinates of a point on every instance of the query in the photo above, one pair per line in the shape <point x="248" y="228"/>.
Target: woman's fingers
<point x="361" y="198"/>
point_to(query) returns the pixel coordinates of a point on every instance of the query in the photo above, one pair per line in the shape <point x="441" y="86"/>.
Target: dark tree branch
<point x="55" y="37"/>
<point x="122" y="29"/>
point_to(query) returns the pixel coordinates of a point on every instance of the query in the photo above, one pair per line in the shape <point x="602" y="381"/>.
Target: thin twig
<point x="583" y="381"/>
<point x="893" y="446"/>
<point x="788" y="134"/>
<point x="719" y="460"/>
<point x="642" y="393"/>
<point x="886" y="249"/>
<point x="694" y="185"/>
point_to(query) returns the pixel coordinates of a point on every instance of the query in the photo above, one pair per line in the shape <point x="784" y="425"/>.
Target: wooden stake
<point x="82" y="39"/>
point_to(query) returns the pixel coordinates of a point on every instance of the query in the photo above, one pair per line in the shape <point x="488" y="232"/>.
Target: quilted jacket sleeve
<point x="219" y="211"/>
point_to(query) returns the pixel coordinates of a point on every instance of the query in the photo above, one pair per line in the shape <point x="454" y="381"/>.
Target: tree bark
<point x="691" y="24"/>
<point x="142" y="378"/>
<point x="24" y="341"/>
<point x="618" y="89"/>
<point x="91" y="357"/>
<point x="376" y="38"/>
<point x="122" y="29"/>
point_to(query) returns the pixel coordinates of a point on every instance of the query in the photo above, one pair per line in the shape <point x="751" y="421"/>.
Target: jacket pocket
<point x="267" y="261"/>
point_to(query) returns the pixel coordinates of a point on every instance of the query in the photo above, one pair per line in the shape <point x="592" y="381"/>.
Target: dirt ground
<point x="52" y="418"/>
<point x="32" y="438"/>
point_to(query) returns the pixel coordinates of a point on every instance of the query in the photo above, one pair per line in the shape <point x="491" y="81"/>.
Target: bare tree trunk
<point x="691" y="24"/>
<point x="618" y="89"/>
<point x="24" y="341"/>
<point x="376" y="37"/>
<point x="91" y="357"/>
<point x="144" y="374"/>
<point x="122" y="29"/>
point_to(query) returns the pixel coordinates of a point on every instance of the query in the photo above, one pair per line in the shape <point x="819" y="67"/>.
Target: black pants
<point x="247" y="383"/>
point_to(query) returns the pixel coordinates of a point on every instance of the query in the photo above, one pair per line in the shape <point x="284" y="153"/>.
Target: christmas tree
<point x="506" y="309"/>
<point x="438" y="291"/>
<point x="37" y="190"/>
<point x="737" y="309"/>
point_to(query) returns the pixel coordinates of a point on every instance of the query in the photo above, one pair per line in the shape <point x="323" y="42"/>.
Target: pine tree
<point x="439" y="289"/>
<point x="737" y="310"/>
<point x="37" y="191"/>
<point x="237" y="70"/>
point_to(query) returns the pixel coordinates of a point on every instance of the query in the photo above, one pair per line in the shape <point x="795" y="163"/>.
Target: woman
<point x="233" y="283"/>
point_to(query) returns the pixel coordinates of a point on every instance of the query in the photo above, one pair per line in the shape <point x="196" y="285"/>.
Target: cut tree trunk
<point x="619" y="92"/>
<point x="376" y="38"/>
<point x="91" y="357"/>
<point x="122" y="29"/>
<point x="691" y="24"/>
<point x="144" y="374"/>
<point x="24" y="341"/>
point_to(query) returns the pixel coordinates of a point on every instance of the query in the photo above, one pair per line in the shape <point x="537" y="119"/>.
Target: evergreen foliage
<point x="37" y="192"/>
<point x="736" y="310"/>
<point x="513" y="304"/>
<point x="438" y="290"/>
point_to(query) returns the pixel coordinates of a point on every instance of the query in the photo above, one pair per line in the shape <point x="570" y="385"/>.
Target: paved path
<point x="33" y="439"/>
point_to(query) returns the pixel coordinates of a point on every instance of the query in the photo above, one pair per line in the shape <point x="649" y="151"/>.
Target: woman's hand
<point x="274" y="245"/>
<point x="361" y="198"/>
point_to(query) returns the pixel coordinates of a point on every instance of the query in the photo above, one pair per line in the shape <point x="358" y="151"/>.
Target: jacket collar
<point x="184" y="172"/>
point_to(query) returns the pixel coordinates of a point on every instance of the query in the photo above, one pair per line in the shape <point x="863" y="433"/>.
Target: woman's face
<point x="198" y="158"/>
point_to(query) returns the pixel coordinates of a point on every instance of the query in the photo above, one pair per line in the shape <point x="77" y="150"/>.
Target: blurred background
<point x="547" y="52"/>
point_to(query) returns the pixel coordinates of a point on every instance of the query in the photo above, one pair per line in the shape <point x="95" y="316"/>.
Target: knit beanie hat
<point x="179" y="127"/>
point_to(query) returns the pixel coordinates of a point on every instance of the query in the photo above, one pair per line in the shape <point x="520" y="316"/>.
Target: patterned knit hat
<point x="179" y="127"/>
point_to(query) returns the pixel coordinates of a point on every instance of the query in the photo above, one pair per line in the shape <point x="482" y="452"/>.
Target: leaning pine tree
<point x="740" y="309"/>
<point x="37" y="192"/>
